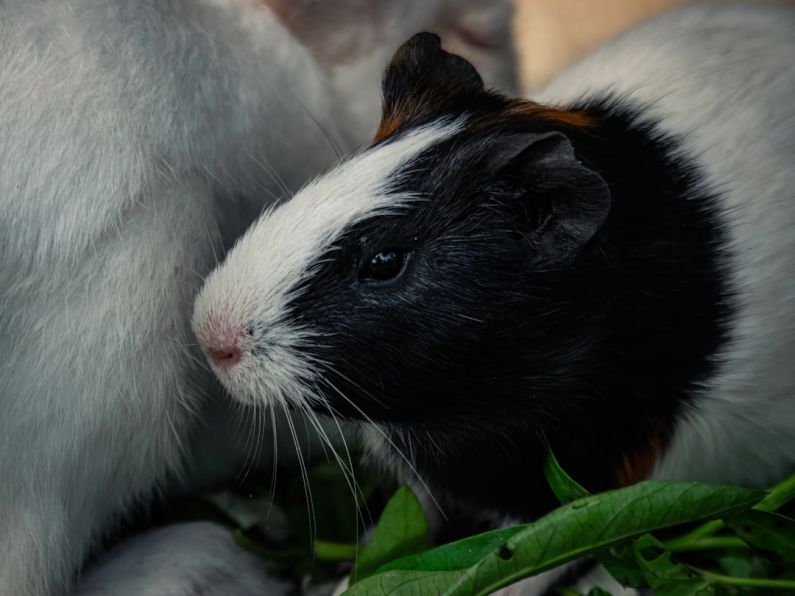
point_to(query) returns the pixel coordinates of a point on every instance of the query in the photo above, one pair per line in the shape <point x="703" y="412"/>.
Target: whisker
<point x="357" y="488"/>
<point x="242" y="475"/>
<point x="369" y="394"/>
<point x="386" y="437"/>
<point x="310" y="504"/>
<point x="433" y="442"/>
<point x="238" y="415"/>
<point x="278" y="180"/>
<point x="331" y="141"/>
<point x="347" y="470"/>
<point x="260" y="440"/>
<point x="212" y="244"/>
<point x="274" y="463"/>
<point x="350" y="480"/>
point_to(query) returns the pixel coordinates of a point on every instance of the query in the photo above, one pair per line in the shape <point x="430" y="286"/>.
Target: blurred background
<point x="551" y="34"/>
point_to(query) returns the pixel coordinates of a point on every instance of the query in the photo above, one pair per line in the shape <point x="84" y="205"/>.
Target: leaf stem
<point x="334" y="551"/>
<point x="781" y="494"/>
<point x="679" y="545"/>
<point x="773" y="584"/>
<point x="705" y="530"/>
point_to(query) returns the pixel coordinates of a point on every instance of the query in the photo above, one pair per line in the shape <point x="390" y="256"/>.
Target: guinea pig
<point x="608" y="271"/>
<point x="136" y="140"/>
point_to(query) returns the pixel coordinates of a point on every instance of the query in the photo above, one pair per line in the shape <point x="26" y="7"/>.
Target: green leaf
<point x="620" y="562"/>
<point x="582" y="527"/>
<point x="566" y="489"/>
<point x="736" y="565"/>
<point x="782" y="493"/>
<point x="769" y="532"/>
<point x="462" y="554"/>
<point x="402" y="529"/>
<point x="664" y="575"/>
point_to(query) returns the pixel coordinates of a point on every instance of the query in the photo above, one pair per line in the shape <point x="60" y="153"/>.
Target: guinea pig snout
<point x="221" y="344"/>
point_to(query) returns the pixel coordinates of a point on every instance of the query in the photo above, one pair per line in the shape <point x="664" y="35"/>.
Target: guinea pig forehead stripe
<point x="276" y="254"/>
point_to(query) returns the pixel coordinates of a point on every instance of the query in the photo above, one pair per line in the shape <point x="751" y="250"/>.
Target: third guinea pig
<point x="613" y="277"/>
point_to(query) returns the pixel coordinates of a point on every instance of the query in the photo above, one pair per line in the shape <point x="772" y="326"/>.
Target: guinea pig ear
<point x="424" y="81"/>
<point x="563" y="202"/>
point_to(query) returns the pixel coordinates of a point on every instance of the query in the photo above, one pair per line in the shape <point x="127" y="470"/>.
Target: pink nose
<point x="221" y="344"/>
<point x="225" y="356"/>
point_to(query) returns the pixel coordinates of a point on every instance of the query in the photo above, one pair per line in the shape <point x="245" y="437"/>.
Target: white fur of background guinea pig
<point x="614" y="276"/>
<point x="135" y="139"/>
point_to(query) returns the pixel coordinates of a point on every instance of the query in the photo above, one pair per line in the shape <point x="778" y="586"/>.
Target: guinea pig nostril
<point x="224" y="357"/>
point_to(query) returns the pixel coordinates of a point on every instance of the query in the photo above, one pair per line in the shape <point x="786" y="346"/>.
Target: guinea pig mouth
<point x="268" y="373"/>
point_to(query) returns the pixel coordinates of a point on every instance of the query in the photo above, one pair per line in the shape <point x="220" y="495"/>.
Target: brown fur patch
<point x="389" y="126"/>
<point x="407" y="111"/>
<point x="638" y="466"/>
<point x="423" y="81"/>
<point x="412" y="106"/>
<point x="531" y="109"/>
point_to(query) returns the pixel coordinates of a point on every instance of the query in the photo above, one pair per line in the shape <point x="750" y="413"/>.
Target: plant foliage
<point x="732" y="542"/>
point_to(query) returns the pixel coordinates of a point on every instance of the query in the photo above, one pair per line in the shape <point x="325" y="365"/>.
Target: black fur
<point x="423" y="79"/>
<point x="574" y="299"/>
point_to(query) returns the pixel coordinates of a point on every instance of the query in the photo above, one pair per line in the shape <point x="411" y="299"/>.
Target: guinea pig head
<point x="422" y="286"/>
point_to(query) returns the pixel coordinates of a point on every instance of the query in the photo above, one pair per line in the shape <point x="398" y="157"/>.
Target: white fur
<point x="267" y="265"/>
<point x="110" y="166"/>
<point x="181" y="560"/>
<point x="135" y="139"/>
<point x="722" y="78"/>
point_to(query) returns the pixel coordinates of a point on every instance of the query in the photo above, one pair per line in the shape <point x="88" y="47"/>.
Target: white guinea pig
<point x="136" y="137"/>
<point x="614" y="275"/>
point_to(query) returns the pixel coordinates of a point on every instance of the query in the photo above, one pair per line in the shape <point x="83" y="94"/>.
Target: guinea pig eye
<point x="384" y="265"/>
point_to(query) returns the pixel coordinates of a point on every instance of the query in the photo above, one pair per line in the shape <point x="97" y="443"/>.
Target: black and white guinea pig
<point x="614" y="277"/>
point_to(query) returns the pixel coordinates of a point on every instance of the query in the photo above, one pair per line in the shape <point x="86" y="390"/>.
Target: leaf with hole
<point x="664" y="575"/>
<point x="582" y="527"/>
